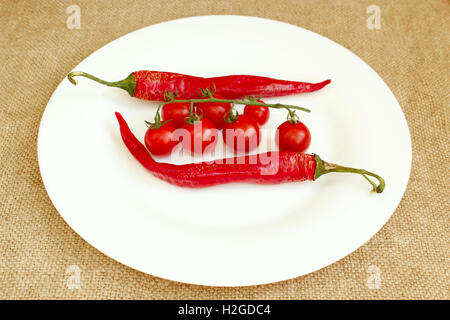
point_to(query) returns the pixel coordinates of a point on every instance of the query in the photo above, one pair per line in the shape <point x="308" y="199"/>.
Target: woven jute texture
<point x="407" y="259"/>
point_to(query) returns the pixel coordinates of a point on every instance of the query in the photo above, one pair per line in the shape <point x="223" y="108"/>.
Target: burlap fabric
<point x="409" y="256"/>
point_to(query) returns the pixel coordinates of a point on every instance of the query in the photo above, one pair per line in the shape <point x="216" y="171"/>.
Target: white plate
<point x="236" y="234"/>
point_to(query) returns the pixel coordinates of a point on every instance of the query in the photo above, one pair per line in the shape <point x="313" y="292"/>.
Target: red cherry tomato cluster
<point x="241" y="133"/>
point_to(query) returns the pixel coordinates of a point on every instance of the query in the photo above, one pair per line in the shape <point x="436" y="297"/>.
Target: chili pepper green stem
<point x="325" y="167"/>
<point x="128" y="84"/>
<point x="245" y="102"/>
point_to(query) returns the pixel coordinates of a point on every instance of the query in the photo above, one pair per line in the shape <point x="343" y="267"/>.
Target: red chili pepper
<point x="152" y="85"/>
<point x="265" y="168"/>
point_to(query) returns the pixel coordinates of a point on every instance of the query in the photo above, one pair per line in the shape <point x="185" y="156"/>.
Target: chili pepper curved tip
<point x="322" y="84"/>
<point x="124" y="129"/>
<point x="119" y="116"/>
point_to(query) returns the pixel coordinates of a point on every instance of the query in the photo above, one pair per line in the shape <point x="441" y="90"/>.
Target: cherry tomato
<point x="177" y="112"/>
<point x="293" y="137"/>
<point x="202" y="136"/>
<point x="161" y="141"/>
<point x="214" y="111"/>
<point x="259" y="113"/>
<point x="243" y="135"/>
